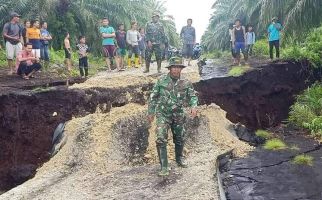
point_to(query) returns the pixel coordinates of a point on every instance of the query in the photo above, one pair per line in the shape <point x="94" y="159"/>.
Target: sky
<point x="198" y="10"/>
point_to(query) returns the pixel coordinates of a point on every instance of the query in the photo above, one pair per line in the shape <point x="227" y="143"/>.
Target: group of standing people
<point x="34" y="37"/>
<point x="140" y="42"/>
<point x="118" y="45"/>
<point x="242" y="40"/>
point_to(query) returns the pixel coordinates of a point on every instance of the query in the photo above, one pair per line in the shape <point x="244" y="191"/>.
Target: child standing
<point x="121" y="46"/>
<point x="142" y="45"/>
<point x="132" y="38"/>
<point x="250" y="40"/>
<point x="83" y="50"/>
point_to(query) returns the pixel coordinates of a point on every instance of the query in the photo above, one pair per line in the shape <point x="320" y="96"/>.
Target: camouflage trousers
<point x="156" y="48"/>
<point x="173" y="121"/>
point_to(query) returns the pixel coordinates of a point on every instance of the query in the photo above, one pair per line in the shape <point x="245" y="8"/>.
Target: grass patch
<point x="263" y="134"/>
<point x="238" y="70"/>
<point x="303" y="160"/>
<point x="274" y="144"/>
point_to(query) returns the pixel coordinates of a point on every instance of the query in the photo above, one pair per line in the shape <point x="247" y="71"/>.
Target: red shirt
<point x="24" y="54"/>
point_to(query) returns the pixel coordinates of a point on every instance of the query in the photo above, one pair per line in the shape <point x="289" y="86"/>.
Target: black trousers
<point x="24" y="69"/>
<point x="276" y="44"/>
<point x="233" y="53"/>
<point x="83" y="66"/>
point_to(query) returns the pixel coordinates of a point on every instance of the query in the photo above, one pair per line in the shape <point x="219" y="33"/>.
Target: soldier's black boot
<point x="181" y="162"/>
<point x="159" y="65"/>
<point x="163" y="157"/>
<point x="147" y="67"/>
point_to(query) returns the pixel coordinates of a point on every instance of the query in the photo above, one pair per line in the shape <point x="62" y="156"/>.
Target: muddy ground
<point x="267" y="174"/>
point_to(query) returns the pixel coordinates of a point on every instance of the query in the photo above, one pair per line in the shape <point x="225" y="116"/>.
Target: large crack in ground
<point x="28" y="120"/>
<point x="108" y="154"/>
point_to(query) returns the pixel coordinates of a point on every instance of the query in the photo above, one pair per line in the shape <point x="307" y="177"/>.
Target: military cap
<point x="176" y="61"/>
<point x="155" y="13"/>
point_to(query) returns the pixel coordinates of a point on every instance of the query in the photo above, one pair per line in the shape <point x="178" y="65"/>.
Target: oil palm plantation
<point x="297" y="17"/>
<point x="82" y="17"/>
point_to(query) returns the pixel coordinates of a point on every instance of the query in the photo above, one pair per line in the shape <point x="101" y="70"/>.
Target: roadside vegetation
<point x="83" y="17"/>
<point x="297" y="17"/>
<point x="307" y="111"/>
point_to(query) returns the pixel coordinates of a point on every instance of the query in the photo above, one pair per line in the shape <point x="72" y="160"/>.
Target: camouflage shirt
<point x="169" y="96"/>
<point x="155" y="33"/>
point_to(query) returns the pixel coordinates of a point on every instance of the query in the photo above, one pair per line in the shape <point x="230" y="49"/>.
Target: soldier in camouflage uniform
<point x="155" y="39"/>
<point x="168" y="98"/>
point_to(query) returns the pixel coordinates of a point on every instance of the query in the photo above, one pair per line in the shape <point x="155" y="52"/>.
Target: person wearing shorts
<point x="121" y="46"/>
<point x="108" y="34"/>
<point x="68" y="52"/>
<point x="188" y="36"/>
<point x="12" y="33"/>
<point x="239" y="39"/>
<point x="33" y="36"/>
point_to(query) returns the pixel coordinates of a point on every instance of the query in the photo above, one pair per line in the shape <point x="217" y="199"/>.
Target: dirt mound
<point x="105" y="157"/>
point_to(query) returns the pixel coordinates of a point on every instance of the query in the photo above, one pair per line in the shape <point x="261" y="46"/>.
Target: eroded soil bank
<point x="28" y="120"/>
<point x="260" y="98"/>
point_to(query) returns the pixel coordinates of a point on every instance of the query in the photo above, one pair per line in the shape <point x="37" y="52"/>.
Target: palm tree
<point x="82" y="17"/>
<point x="297" y="17"/>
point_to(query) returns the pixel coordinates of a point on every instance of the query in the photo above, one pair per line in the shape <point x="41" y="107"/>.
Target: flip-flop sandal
<point x="26" y="77"/>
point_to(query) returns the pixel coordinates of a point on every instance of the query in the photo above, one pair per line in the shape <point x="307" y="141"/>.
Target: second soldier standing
<point x="155" y="39"/>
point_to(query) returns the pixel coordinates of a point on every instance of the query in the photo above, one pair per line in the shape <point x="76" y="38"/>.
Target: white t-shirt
<point x="132" y="37"/>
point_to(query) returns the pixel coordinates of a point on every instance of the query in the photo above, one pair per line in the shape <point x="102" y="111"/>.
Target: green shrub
<point x="300" y="114"/>
<point x="274" y="144"/>
<point x="214" y="54"/>
<point x="294" y="52"/>
<point x="3" y="58"/>
<point x="261" y="48"/>
<point x="307" y="111"/>
<point x="263" y="134"/>
<point x="303" y="160"/>
<point x="311" y="49"/>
